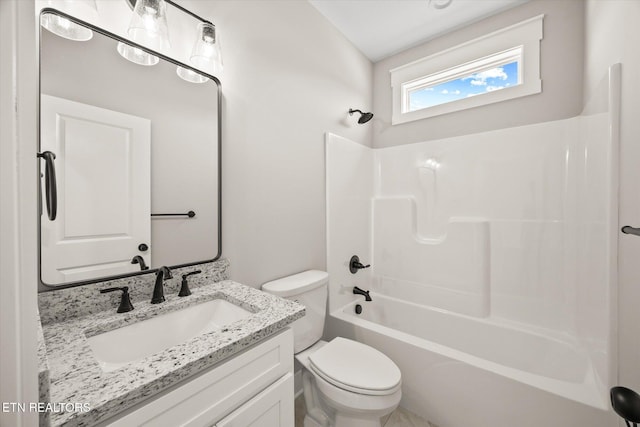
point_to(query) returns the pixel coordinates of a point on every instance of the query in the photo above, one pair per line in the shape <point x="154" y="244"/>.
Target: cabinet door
<point x="273" y="407"/>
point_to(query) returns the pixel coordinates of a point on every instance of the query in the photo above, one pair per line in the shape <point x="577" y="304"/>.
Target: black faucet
<point x="125" y="301"/>
<point x="139" y="260"/>
<point x="358" y="291"/>
<point x="162" y="274"/>
<point x="184" y="289"/>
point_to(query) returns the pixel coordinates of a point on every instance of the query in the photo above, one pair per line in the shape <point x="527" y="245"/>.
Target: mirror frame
<point x="49" y="287"/>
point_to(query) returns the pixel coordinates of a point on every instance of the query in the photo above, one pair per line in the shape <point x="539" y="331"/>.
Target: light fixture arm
<point x="187" y="11"/>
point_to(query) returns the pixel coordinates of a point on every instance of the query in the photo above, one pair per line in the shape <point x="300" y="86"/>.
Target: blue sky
<point x="475" y="84"/>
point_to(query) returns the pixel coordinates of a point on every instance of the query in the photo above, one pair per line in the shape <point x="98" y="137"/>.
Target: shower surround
<point x="493" y="267"/>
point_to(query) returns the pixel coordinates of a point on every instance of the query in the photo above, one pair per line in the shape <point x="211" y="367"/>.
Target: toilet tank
<point x="308" y="288"/>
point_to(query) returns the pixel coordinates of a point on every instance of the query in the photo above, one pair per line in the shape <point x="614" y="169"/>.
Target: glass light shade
<point x="62" y="27"/>
<point x="206" y="53"/>
<point x="190" y="76"/>
<point x="136" y="55"/>
<point x="148" y="25"/>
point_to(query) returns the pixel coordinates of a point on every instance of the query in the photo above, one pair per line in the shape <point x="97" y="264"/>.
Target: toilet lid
<point x="356" y="367"/>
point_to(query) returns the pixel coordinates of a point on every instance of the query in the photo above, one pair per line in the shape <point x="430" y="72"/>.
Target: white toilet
<point x="346" y="383"/>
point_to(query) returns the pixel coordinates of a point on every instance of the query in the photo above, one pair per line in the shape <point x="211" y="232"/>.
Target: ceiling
<point x="381" y="28"/>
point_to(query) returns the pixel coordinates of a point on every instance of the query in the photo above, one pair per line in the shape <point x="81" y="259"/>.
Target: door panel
<point x="103" y="201"/>
<point x="273" y="407"/>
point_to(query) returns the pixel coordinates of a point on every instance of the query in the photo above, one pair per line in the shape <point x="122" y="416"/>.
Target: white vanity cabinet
<point x="252" y="388"/>
<point x="273" y="407"/>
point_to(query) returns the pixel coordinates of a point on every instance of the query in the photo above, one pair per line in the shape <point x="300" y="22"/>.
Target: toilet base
<point x="346" y="421"/>
<point x="310" y="422"/>
<point x="325" y="411"/>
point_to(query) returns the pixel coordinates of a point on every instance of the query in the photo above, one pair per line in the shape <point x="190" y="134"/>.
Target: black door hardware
<point x="630" y="230"/>
<point x="184" y="288"/>
<point x="355" y="264"/>
<point x="51" y="191"/>
<point x="143" y="247"/>
<point x="139" y="260"/>
<point x="125" y="301"/>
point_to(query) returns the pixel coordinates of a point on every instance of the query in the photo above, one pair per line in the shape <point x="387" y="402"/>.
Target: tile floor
<point x="399" y="418"/>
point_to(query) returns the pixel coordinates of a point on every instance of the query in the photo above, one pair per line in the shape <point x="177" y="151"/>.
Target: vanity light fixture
<point x="206" y="50"/>
<point x="136" y="55"/>
<point x="62" y="27"/>
<point x="205" y="54"/>
<point x="190" y="75"/>
<point x="148" y="27"/>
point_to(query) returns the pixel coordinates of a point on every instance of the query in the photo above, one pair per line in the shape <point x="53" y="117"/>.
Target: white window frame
<point x="473" y="56"/>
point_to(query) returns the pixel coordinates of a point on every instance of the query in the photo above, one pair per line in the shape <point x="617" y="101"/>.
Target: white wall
<point x="612" y="35"/>
<point x="289" y="76"/>
<point x="18" y="215"/>
<point x="561" y="73"/>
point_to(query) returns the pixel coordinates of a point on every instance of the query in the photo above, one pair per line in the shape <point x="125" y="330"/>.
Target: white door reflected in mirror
<point x="103" y="202"/>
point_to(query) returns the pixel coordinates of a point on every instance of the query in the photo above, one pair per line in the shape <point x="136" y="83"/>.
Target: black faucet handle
<point x="184" y="276"/>
<point x="184" y="288"/>
<point x="355" y="264"/>
<point x="125" y="301"/>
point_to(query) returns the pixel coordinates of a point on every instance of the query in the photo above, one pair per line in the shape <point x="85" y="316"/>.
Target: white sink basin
<point x="122" y="346"/>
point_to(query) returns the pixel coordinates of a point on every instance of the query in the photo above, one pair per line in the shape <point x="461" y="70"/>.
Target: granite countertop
<point x="75" y="376"/>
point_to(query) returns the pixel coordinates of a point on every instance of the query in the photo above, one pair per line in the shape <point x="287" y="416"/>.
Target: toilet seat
<point x="356" y="367"/>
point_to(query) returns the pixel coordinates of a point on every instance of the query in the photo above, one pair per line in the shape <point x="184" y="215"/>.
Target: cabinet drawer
<point x="206" y="398"/>
<point x="272" y="407"/>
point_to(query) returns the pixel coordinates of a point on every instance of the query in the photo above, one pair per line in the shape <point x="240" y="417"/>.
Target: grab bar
<point x="51" y="190"/>
<point x="627" y="229"/>
<point x="190" y="214"/>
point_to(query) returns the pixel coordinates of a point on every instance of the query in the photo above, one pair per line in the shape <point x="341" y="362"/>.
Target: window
<point x="500" y="66"/>
<point x="477" y="77"/>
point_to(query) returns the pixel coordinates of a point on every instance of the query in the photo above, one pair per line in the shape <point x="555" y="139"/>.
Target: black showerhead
<point x="364" y="117"/>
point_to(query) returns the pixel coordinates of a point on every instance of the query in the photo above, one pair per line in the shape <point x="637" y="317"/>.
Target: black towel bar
<point x="190" y="214"/>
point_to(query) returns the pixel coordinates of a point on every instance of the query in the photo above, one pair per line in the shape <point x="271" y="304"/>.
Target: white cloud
<point x="456" y="92"/>
<point x="480" y="79"/>
<point x="492" y="88"/>
<point x="444" y="91"/>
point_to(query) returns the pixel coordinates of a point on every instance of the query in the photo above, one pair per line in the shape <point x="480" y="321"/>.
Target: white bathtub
<point x="463" y="371"/>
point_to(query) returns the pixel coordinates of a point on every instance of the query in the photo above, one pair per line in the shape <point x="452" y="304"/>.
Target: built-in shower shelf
<point x="454" y="268"/>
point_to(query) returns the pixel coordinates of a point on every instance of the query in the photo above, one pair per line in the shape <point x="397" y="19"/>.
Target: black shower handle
<point x="51" y="191"/>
